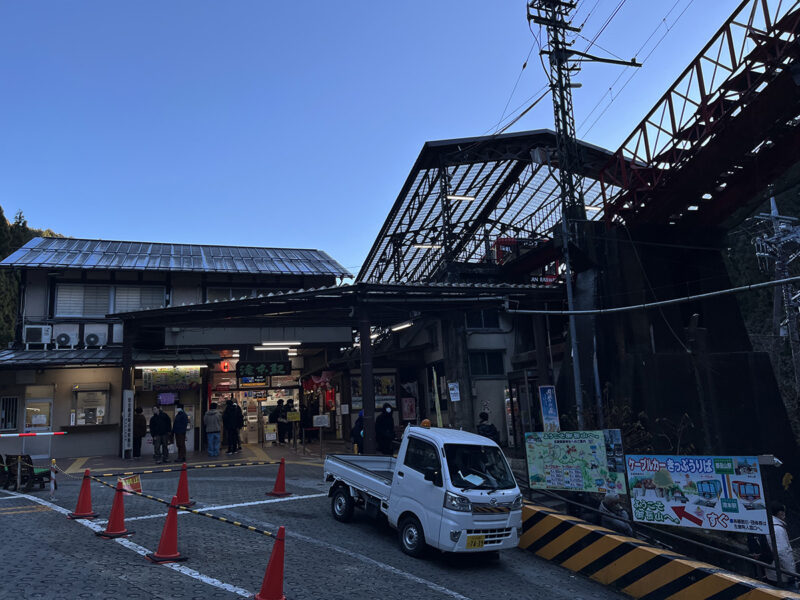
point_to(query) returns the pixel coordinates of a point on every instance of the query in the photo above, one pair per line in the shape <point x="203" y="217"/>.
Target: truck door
<point x="424" y="498"/>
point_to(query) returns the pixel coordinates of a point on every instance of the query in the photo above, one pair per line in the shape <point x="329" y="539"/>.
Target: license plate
<point x="475" y="541"/>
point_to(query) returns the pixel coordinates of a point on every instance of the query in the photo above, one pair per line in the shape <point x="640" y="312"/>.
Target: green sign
<point x="257" y="374"/>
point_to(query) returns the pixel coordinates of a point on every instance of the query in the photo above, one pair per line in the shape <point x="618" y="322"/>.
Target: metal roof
<point x="464" y="195"/>
<point x="70" y="253"/>
<point x="101" y="356"/>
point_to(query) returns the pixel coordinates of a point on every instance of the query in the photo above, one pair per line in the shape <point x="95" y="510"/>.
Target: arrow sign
<point x="684" y="514"/>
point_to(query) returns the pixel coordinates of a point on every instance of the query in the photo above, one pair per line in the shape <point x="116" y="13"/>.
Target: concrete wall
<point x="79" y="441"/>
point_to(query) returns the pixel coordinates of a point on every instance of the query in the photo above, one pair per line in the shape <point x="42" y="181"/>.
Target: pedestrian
<point x="613" y="514"/>
<point x="384" y="429"/>
<point x="357" y="433"/>
<point x="212" y="421"/>
<point x="783" y="555"/>
<point x="179" y="428"/>
<point x="229" y="421"/>
<point x="280" y="418"/>
<point x="139" y="431"/>
<point x="160" y="426"/>
<point x="239" y="426"/>
<point x="487" y="429"/>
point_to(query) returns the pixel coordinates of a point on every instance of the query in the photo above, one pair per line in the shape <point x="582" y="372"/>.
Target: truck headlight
<point x="517" y="503"/>
<point x="456" y="502"/>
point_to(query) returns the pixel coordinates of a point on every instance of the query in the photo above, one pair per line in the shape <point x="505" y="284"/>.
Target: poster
<point x="549" y="406"/>
<point x="409" y="409"/>
<point x="723" y="493"/>
<point x="271" y="432"/>
<point x="570" y="460"/>
<point x="615" y="455"/>
<point x="454" y="391"/>
<point x="385" y="391"/>
<point x="282" y="381"/>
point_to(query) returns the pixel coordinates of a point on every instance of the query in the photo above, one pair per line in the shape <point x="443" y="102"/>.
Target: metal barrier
<point x="24" y="437"/>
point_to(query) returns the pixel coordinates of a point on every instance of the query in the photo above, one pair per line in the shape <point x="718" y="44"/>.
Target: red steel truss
<point x="727" y="127"/>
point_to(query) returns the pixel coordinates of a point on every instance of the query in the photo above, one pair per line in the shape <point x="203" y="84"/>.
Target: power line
<point x="647" y="305"/>
<point x="606" y="24"/>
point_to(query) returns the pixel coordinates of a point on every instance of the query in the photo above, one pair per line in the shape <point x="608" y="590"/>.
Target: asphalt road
<point x="44" y="555"/>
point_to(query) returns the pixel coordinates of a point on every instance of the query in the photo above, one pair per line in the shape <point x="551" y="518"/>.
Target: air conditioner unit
<point x="95" y="339"/>
<point x="66" y="335"/>
<point x="37" y="334"/>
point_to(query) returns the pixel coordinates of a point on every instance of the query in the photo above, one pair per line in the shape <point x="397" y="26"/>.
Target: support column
<point x="126" y="400"/>
<point x="367" y="382"/>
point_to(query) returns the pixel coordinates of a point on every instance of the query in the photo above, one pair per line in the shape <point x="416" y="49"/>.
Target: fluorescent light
<point x="281" y="343"/>
<point x="264" y="348"/>
<point x="594" y="208"/>
<point x="374" y="336"/>
<point x="170" y="366"/>
<point x="400" y="326"/>
<point x="426" y="246"/>
<point x="457" y="198"/>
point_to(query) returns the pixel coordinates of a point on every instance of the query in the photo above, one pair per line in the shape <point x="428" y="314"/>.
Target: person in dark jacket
<point x="357" y="433"/>
<point x="179" y="428"/>
<point x="139" y="431"/>
<point x="487" y="429"/>
<point x="230" y="421"/>
<point x="160" y="426"/>
<point x="384" y="429"/>
<point x="239" y="425"/>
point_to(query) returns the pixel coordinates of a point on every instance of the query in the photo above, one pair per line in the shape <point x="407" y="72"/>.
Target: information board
<point x="723" y="493"/>
<point x="570" y="460"/>
<point x="257" y="374"/>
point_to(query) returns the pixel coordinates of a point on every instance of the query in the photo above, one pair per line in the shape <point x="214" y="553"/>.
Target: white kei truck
<point x="447" y="488"/>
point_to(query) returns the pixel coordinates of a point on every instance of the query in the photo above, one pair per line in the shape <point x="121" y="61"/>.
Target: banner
<point x="723" y="493"/>
<point x="549" y="406"/>
<point x="131" y="483"/>
<point x="570" y="460"/>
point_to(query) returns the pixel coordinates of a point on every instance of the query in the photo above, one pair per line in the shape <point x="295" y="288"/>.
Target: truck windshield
<point x="478" y="467"/>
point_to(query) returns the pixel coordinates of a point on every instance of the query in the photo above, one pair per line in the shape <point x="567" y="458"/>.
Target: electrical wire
<point x="636" y="71"/>
<point x="516" y="83"/>
<point x="610" y="18"/>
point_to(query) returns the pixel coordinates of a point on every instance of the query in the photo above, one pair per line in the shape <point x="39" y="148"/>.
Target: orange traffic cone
<point x="83" y="510"/>
<point x="183" y="489"/>
<point x="168" y="545"/>
<point x="116" y="522"/>
<point x="280" y="482"/>
<point x="272" y="586"/>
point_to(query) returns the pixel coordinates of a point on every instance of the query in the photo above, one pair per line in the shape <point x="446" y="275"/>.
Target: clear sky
<point x="285" y="123"/>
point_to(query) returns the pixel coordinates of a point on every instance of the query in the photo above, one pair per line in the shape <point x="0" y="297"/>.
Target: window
<point x="131" y="298"/>
<point x="76" y="300"/>
<point x="421" y="455"/>
<point x="8" y="413"/>
<point x="487" y="318"/>
<point x="91" y="406"/>
<point x="478" y="467"/>
<point x="489" y="362"/>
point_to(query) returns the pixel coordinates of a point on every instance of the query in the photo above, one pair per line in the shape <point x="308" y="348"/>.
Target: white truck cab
<point x="449" y="489"/>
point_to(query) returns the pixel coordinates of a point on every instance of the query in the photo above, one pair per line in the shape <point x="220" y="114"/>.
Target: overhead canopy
<point x="386" y="304"/>
<point x="101" y="357"/>
<point x="464" y="195"/>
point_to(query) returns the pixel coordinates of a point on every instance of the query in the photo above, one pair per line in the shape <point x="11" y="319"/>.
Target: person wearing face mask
<point x="384" y="429"/>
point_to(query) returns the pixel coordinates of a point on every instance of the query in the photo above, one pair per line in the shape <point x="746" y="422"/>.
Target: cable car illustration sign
<point x="723" y="493"/>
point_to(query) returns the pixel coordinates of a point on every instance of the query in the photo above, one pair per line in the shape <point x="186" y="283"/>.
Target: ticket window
<point x="91" y="407"/>
<point x="38" y="414"/>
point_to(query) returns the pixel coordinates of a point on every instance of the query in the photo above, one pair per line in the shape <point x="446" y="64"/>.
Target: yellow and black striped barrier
<point x="628" y="564"/>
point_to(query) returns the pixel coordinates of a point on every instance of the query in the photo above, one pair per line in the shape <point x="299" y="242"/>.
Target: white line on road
<point x="141" y="549"/>
<point x="371" y="561"/>
<point x="224" y="506"/>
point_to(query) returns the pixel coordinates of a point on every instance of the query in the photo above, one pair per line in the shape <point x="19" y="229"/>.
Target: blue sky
<point x="258" y="122"/>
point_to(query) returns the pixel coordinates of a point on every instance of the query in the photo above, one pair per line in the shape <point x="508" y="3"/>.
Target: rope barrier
<point x="188" y="467"/>
<point x="169" y="504"/>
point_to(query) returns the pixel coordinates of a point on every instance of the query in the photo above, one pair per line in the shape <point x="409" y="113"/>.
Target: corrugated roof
<point x="99" y="356"/>
<point x="70" y="253"/>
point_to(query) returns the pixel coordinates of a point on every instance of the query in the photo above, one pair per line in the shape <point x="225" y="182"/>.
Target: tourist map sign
<point x="570" y="460"/>
<point x="723" y="493"/>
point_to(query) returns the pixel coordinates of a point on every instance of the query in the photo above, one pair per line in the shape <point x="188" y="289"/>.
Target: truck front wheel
<point x="342" y="505"/>
<point x="412" y="538"/>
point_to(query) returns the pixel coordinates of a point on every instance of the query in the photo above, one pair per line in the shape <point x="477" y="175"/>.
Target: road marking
<point x="223" y="506"/>
<point x="141" y="550"/>
<point x="75" y="467"/>
<point x="371" y="561"/>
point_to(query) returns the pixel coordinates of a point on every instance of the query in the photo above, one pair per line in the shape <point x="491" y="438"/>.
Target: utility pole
<point x="554" y="15"/>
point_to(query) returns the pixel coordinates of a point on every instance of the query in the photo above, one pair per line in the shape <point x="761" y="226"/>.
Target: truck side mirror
<point x="433" y="476"/>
